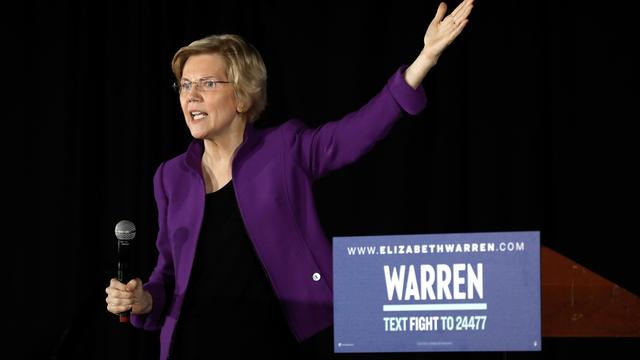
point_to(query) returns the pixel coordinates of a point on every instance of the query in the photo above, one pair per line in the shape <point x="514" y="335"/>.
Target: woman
<point x="237" y="222"/>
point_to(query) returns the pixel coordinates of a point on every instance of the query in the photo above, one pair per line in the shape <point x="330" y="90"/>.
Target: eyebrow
<point x="208" y="77"/>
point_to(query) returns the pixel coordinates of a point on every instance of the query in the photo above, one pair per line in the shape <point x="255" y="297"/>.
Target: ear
<point x="240" y="108"/>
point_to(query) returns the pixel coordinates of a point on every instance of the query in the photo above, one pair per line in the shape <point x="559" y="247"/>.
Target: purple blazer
<point x="273" y="172"/>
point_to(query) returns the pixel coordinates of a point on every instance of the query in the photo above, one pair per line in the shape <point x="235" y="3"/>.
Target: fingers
<point x="119" y="301"/>
<point x="442" y="9"/>
<point x="121" y="297"/>
<point x="118" y="294"/>
<point x="134" y="284"/>
<point x="458" y="29"/>
<point x="117" y="309"/>
<point x="460" y="8"/>
<point x="114" y="283"/>
<point x="462" y="15"/>
<point x="458" y="18"/>
<point x="117" y="291"/>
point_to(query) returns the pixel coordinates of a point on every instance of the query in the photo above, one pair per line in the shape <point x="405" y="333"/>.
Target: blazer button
<point x="316" y="277"/>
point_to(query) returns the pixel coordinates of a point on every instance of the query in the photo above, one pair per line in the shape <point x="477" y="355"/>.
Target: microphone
<point x="125" y="232"/>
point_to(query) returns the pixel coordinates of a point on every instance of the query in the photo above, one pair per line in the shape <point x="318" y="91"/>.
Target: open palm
<point x="443" y="30"/>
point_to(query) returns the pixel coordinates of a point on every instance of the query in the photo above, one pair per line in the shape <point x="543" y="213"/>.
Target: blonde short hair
<point x="245" y="68"/>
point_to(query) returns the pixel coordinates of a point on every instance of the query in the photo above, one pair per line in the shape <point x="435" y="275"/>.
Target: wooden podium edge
<point x="577" y="302"/>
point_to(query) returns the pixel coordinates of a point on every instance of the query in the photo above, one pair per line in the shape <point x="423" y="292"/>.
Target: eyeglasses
<point x="186" y="86"/>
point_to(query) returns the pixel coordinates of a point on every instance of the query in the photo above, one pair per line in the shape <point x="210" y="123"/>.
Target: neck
<point x="218" y="155"/>
<point x="220" y="149"/>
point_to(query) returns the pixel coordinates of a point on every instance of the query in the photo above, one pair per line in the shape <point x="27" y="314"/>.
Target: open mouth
<point x="198" y="115"/>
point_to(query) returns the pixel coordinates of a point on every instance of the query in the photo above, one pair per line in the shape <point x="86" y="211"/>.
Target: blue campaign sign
<point x="439" y="292"/>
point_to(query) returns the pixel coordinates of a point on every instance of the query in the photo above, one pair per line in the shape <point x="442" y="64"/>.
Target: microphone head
<point x="125" y="230"/>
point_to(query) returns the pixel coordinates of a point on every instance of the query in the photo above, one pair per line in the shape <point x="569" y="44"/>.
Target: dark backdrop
<point x="528" y="127"/>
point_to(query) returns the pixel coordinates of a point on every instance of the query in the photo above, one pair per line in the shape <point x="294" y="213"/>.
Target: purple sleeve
<point x="339" y="143"/>
<point x="161" y="281"/>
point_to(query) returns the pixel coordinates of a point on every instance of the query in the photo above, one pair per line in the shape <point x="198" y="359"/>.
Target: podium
<point x="577" y="302"/>
<point x="438" y="292"/>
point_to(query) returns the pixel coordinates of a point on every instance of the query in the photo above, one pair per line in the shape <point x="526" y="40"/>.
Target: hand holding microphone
<point x="125" y="232"/>
<point x="126" y="295"/>
<point x="124" y="299"/>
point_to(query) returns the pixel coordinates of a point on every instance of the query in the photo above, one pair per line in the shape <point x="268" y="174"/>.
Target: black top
<point x="230" y="305"/>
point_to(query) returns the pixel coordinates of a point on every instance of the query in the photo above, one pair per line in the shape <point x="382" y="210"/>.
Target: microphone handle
<point x="123" y="278"/>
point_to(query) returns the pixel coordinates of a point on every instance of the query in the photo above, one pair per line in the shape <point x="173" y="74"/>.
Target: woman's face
<point x="209" y="108"/>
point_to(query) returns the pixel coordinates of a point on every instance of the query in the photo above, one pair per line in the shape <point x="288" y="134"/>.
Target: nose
<point x="194" y="96"/>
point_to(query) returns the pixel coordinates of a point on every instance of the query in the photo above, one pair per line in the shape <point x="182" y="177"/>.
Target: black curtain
<point x="528" y="127"/>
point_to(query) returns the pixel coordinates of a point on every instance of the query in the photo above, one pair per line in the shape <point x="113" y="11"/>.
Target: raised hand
<point x="443" y="30"/>
<point x="440" y="33"/>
